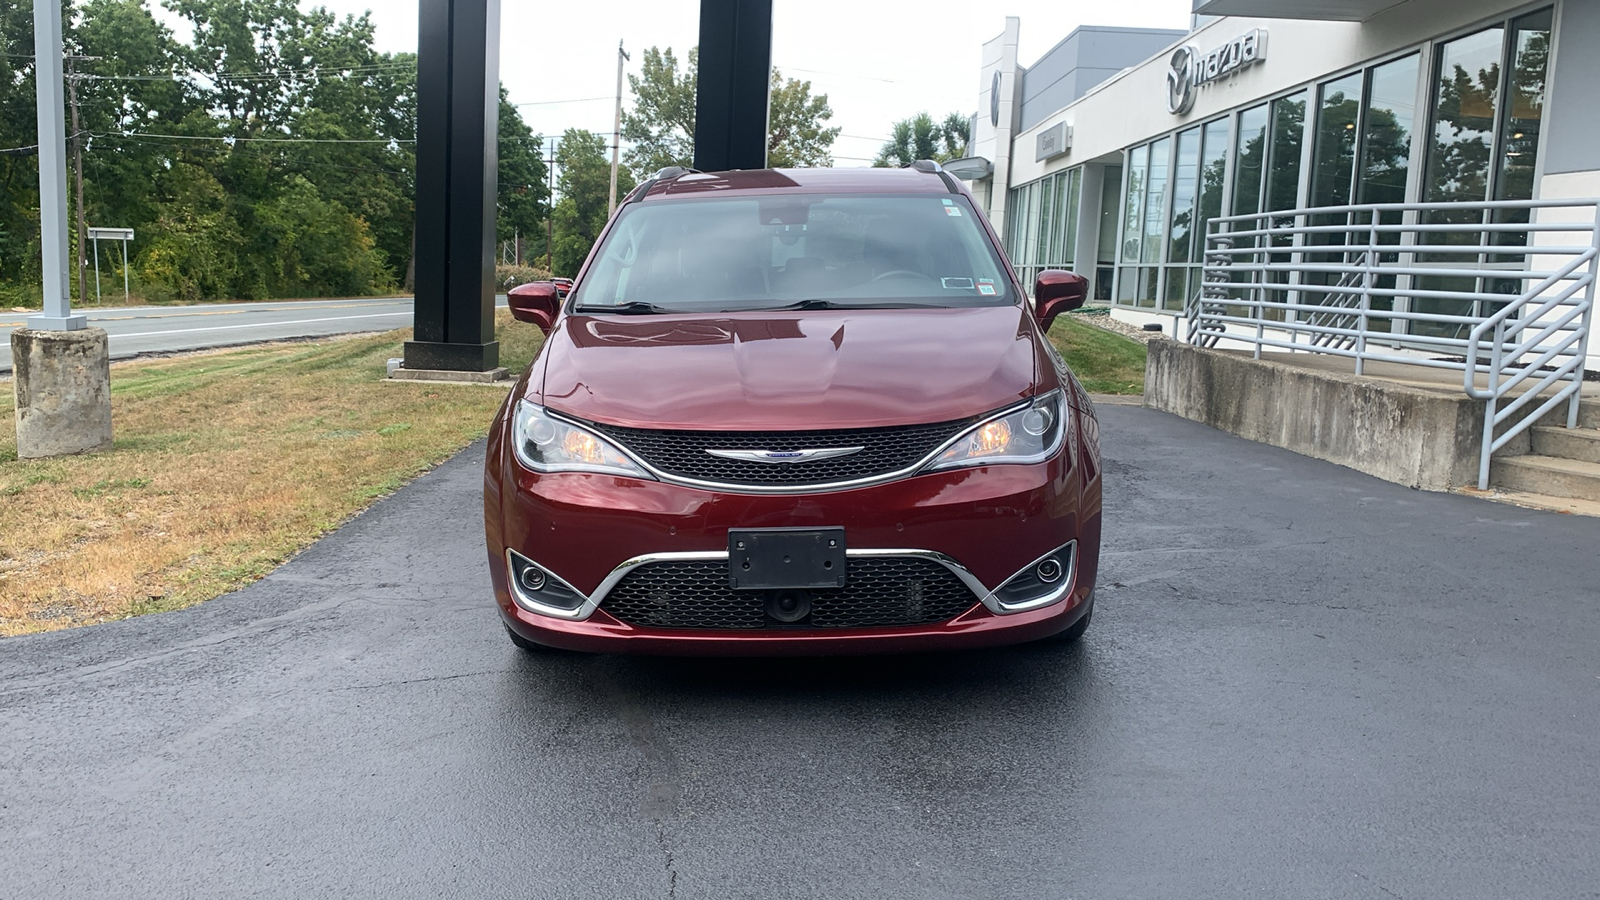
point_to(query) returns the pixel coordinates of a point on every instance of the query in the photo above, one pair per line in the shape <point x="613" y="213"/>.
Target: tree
<point x="920" y="137"/>
<point x="661" y="124"/>
<point x="524" y="192"/>
<point x="584" y="184"/>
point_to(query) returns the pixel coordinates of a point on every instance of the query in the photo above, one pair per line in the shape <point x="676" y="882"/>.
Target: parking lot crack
<point x="672" y="866"/>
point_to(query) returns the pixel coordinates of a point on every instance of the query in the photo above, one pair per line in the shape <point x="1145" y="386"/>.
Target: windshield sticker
<point x="956" y="284"/>
<point x="986" y="290"/>
<point x="952" y="211"/>
<point x="949" y="202"/>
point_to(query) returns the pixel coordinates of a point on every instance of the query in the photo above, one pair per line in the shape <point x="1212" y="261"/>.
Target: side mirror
<point x="1055" y="292"/>
<point x="536" y="303"/>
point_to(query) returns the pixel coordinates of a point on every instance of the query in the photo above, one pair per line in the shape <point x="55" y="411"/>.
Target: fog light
<point x="1049" y="571"/>
<point x="532" y="578"/>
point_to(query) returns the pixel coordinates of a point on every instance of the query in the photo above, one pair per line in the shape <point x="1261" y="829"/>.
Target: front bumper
<point x="985" y="525"/>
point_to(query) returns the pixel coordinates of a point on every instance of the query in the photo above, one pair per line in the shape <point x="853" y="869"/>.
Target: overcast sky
<point x="876" y="61"/>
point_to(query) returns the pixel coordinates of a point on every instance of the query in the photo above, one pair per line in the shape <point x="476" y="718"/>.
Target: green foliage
<point x="524" y="189"/>
<point x="508" y="277"/>
<point x="194" y="246"/>
<point x="198" y="146"/>
<point x="661" y="124"/>
<point x="920" y="137"/>
<point x="585" y="187"/>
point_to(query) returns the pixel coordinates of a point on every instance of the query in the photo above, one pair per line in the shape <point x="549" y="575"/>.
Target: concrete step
<point x="1588" y="415"/>
<point x="1538" y="501"/>
<point x="1551" y="476"/>
<point x="1581" y="444"/>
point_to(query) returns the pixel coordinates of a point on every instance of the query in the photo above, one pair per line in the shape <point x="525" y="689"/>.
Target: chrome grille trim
<point x="986" y="596"/>
<point x="738" y="488"/>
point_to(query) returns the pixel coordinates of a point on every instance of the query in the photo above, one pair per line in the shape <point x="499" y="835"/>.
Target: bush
<point x="508" y="277"/>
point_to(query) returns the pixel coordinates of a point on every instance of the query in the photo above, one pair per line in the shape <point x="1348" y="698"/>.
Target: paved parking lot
<point x="1301" y="682"/>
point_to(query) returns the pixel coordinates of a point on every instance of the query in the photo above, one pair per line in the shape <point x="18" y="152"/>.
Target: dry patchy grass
<point x="225" y="464"/>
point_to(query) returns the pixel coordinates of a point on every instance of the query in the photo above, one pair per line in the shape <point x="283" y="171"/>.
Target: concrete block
<point x="1419" y="438"/>
<point x="497" y="375"/>
<point x="62" y="381"/>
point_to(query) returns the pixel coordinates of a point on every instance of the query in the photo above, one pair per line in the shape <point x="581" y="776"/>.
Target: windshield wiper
<point x="884" y="303"/>
<point x="631" y="308"/>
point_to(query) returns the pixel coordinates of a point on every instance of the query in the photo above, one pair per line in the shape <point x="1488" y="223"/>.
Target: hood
<point x="789" y="370"/>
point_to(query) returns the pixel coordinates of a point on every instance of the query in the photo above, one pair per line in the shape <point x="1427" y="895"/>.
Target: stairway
<point x="1564" y="464"/>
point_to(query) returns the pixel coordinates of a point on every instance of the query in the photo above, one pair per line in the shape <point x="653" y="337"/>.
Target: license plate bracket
<point x="764" y="559"/>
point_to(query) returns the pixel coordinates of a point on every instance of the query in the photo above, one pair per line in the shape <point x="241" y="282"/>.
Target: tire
<point x="1076" y="630"/>
<point x="527" y="646"/>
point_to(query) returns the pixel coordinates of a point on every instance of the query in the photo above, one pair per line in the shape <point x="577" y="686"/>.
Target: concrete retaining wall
<point x="1422" y="439"/>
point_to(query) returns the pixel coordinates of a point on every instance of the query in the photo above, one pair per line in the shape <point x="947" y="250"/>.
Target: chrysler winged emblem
<point x="779" y="457"/>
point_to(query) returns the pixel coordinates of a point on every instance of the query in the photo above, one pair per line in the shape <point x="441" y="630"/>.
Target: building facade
<point x="1264" y="107"/>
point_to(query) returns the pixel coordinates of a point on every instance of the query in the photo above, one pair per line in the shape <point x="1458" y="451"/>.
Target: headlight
<point x="544" y="443"/>
<point x="1027" y="435"/>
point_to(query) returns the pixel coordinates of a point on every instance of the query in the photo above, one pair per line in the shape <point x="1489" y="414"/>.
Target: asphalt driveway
<point x="1301" y="682"/>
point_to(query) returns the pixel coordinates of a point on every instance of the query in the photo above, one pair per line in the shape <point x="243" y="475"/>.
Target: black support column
<point x="458" y="105"/>
<point x="730" y="126"/>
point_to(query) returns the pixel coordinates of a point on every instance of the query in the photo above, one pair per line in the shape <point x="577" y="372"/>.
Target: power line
<point x="556" y="102"/>
<point x="331" y="71"/>
<point x="261" y="140"/>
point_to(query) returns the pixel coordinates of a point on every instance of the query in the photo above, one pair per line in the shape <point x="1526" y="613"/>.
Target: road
<point x="165" y="329"/>
<point x="1301" y="683"/>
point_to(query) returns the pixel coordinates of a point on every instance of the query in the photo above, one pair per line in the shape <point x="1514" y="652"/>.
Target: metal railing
<point x="1502" y="291"/>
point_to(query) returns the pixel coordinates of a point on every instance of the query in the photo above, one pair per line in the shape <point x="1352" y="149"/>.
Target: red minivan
<point x="802" y="411"/>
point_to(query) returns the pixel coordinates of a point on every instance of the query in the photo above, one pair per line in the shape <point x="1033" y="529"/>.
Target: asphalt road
<point x="164" y="329"/>
<point x="1301" y="683"/>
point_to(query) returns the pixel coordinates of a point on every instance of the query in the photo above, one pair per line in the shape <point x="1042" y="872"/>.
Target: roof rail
<point x="924" y="165"/>
<point x="673" y="172"/>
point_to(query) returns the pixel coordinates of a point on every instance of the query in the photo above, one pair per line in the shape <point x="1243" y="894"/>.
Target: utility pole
<point x="77" y="165"/>
<point x="616" y="132"/>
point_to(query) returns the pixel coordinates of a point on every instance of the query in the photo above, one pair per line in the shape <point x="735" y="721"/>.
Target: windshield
<point x="805" y="251"/>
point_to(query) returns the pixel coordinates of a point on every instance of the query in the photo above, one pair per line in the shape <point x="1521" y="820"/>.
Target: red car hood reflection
<point x="789" y="370"/>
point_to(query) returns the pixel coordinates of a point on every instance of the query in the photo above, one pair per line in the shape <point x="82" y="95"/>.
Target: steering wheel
<point x="901" y="273"/>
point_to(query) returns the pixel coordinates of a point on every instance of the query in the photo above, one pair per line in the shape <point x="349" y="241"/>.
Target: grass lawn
<point x="225" y="464"/>
<point x="1104" y="361"/>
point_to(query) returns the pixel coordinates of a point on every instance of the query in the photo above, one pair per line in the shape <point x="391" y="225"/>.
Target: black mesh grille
<point x="882" y="591"/>
<point x="884" y="450"/>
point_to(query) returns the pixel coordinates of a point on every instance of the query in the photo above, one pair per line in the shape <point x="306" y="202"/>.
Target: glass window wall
<point x="1486" y="96"/>
<point x="1042" y="224"/>
<point x="1488" y="102"/>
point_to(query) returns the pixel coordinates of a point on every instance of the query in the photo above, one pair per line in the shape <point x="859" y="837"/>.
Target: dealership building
<point x="1110" y="154"/>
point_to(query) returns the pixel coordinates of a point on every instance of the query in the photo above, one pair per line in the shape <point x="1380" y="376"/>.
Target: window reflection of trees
<point x="1484" y="147"/>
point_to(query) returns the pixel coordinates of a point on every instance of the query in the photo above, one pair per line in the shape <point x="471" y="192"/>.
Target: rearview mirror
<point x="1057" y="291"/>
<point x="535" y="302"/>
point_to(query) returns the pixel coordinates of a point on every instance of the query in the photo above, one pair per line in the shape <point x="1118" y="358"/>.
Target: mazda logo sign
<point x="1189" y="69"/>
<point x="1180" y="80"/>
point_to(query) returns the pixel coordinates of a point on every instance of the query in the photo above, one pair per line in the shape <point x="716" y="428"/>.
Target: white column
<point x="52" y="171"/>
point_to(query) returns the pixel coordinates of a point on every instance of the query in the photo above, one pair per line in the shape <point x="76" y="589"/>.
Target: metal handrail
<point x="1521" y="321"/>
